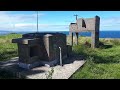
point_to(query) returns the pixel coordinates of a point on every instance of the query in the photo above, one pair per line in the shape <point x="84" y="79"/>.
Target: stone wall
<point x="42" y="46"/>
<point x="86" y="25"/>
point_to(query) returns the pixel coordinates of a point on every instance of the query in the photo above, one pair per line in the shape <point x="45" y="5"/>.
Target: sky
<point x="55" y="20"/>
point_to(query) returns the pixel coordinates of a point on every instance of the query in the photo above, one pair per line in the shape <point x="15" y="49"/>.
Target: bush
<point x="87" y="44"/>
<point x="115" y="42"/>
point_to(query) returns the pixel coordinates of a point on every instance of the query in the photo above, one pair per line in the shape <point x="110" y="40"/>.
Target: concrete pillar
<point x="76" y="38"/>
<point x="97" y="27"/>
<point x="94" y="39"/>
<point x="97" y="39"/>
<point x="71" y="38"/>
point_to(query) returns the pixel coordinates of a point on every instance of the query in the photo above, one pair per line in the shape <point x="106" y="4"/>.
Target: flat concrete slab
<point x="69" y="67"/>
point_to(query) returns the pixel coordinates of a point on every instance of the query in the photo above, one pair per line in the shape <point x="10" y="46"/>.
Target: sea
<point x="103" y="34"/>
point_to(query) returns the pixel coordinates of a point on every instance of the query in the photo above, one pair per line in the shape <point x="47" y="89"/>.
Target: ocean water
<point x="103" y="34"/>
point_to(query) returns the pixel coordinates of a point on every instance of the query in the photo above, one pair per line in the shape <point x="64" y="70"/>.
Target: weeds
<point x="102" y="62"/>
<point x="50" y="73"/>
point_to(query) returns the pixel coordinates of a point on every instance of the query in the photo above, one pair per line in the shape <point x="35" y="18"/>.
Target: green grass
<point x="102" y="62"/>
<point x="7" y="51"/>
<point x="7" y="48"/>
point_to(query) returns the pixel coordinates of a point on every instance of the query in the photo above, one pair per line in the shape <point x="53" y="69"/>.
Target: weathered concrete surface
<point x="34" y="47"/>
<point x="86" y="25"/>
<point x="60" y="72"/>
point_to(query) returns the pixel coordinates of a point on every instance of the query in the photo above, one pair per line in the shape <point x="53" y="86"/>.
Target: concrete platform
<point x="69" y="67"/>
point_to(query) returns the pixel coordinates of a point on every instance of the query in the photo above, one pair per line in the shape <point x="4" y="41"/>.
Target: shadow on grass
<point x="105" y="59"/>
<point x="6" y="74"/>
<point x="97" y="58"/>
<point x="13" y="71"/>
<point x="7" y="55"/>
<point x="106" y="46"/>
<point x="73" y="58"/>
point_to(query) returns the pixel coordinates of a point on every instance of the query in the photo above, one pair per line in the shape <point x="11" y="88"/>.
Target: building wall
<point x="45" y="48"/>
<point x="57" y="41"/>
<point x="50" y="47"/>
<point x="85" y="24"/>
<point x="73" y="27"/>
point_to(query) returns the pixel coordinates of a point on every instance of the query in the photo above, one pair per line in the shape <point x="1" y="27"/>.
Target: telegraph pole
<point x="37" y="21"/>
<point x="76" y="16"/>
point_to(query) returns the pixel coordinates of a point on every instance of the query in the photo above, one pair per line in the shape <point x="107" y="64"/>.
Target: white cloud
<point x="8" y="20"/>
<point x="43" y="27"/>
<point x="22" y="22"/>
<point x="112" y="23"/>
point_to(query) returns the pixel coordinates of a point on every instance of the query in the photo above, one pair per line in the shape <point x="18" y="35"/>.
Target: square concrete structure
<point x="41" y="48"/>
<point x="86" y="25"/>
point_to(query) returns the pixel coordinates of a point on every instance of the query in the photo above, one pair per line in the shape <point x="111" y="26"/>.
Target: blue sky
<point x="55" y="20"/>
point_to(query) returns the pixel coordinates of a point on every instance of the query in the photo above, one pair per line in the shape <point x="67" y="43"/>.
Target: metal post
<point x="60" y="56"/>
<point x="37" y="21"/>
<point x="13" y="27"/>
<point x="76" y="16"/>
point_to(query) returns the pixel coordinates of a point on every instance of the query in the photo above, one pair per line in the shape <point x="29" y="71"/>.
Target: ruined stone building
<point x="41" y="48"/>
<point x="86" y="25"/>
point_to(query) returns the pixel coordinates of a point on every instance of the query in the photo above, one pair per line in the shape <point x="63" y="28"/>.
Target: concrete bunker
<point x="41" y="48"/>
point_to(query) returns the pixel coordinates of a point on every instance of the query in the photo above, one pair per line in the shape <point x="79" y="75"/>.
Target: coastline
<point x="103" y="34"/>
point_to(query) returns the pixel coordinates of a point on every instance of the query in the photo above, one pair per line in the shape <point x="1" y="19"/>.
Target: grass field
<point x="7" y="51"/>
<point x="7" y="48"/>
<point x="102" y="62"/>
